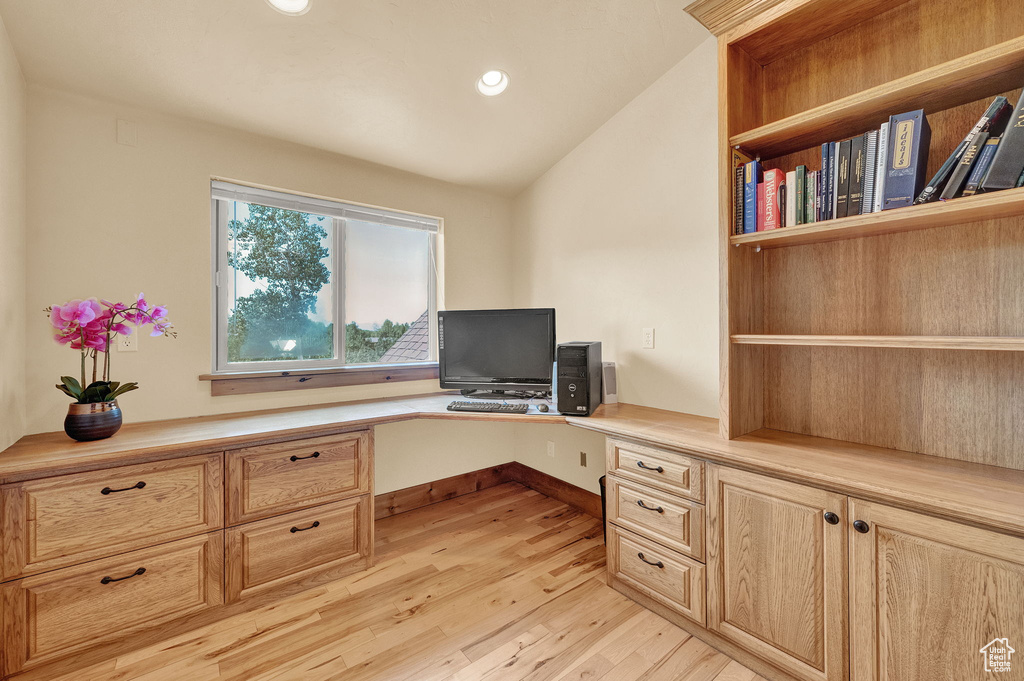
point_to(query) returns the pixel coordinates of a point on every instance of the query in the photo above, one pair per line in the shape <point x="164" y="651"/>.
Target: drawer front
<point x="274" y="479"/>
<point x="662" y="574"/>
<point x="56" y="522"/>
<point x="58" y="613"/>
<point x="668" y="520"/>
<point x="268" y="553"/>
<point x="658" y="468"/>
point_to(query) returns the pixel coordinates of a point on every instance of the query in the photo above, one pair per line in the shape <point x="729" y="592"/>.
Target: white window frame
<point x="224" y="191"/>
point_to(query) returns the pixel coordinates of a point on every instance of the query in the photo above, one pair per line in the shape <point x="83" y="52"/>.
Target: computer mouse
<point x="542" y="407"/>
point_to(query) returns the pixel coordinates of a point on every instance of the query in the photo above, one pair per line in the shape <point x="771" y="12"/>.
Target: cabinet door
<point x="777" y="571"/>
<point x="928" y="596"/>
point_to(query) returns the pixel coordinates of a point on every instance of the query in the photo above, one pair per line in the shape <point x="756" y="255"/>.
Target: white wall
<point x="12" y="244"/>
<point x="110" y="220"/>
<point x="622" y="234"/>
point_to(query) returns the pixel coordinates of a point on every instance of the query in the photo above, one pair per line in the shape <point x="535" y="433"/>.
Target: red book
<point x="760" y="206"/>
<point x="773" y="181"/>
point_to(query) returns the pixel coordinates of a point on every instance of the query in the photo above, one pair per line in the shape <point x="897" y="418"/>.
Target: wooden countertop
<point x="975" y="493"/>
<point x="46" y="454"/>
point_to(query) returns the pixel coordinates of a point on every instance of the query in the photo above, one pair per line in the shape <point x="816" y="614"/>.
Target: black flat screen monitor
<point x="496" y="349"/>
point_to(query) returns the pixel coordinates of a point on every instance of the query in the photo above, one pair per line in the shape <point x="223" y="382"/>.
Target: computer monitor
<point x="510" y="350"/>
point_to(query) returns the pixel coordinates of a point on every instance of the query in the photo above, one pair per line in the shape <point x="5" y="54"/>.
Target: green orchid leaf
<point x="72" y="385"/>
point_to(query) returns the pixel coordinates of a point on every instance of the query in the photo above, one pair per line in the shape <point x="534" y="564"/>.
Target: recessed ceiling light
<point x="292" y="8"/>
<point x="492" y="83"/>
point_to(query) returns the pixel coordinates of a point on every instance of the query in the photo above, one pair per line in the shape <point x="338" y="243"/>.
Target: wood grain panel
<point x="777" y="572"/>
<point x="63" y="612"/>
<point x="927" y="595"/>
<point x="910" y="37"/>
<point x="409" y="498"/>
<point x="55" y="522"/>
<point x="663" y="518"/>
<point x="959" y="405"/>
<point x="267" y="553"/>
<point x="667" y="576"/>
<point x="268" y="480"/>
<point x="277" y="381"/>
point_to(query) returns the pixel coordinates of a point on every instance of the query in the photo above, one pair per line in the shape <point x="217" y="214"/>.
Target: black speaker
<point x="579" y="377"/>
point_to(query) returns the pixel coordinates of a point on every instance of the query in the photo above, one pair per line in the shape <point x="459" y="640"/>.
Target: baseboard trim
<point x="418" y="496"/>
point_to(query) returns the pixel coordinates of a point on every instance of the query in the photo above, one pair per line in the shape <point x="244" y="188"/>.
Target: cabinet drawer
<point x="273" y="479"/>
<point x="55" y="522"/>
<point x="271" y="552"/>
<point x="662" y="574"/>
<point x="658" y="468"/>
<point x="65" y="611"/>
<point x="668" y="520"/>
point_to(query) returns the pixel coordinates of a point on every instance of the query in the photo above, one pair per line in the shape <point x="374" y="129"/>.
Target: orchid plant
<point x="90" y="326"/>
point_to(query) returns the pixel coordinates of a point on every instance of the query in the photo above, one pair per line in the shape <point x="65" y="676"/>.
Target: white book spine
<point x="870" y="169"/>
<point x="883" y="155"/>
<point x="790" y="199"/>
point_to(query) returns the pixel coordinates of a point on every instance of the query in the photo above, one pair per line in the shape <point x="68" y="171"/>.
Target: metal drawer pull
<point x="108" y="580"/>
<point x="641" y="464"/>
<point x="316" y="523"/>
<point x="657" y="564"/>
<point x="314" y="455"/>
<point x="107" y="490"/>
<point x="641" y="504"/>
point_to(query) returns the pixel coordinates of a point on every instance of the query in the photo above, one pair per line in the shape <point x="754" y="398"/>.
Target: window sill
<point x="248" y="382"/>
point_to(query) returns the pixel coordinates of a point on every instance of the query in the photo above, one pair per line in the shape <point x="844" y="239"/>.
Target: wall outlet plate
<point x="128" y="343"/>
<point x="648" y="339"/>
<point x="551" y="449"/>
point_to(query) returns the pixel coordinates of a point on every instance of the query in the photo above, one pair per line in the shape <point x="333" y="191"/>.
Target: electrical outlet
<point x="583" y="459"/>
<point x="551" y="449"/>
<point x="128" y="343"/>
<point x="648" y="339"/>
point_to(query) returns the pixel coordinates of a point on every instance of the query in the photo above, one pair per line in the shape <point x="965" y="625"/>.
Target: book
<point x="738" y="160"/>
<point x="833" y="178"/>
<point x="822" y="185"/>
<point x="906" y="158"/>
<point x="790" y="203"/>
<point x="760" y="207"/>
<point x="856" y="175"/>
<point x="1008" y="162"/>
<point x="992" y="121"/>
<point x="752" y="176"/>
<point x="843" y="178"/>
<point x="783" y="198"/>
<point x="811" y="198"/>
<point x="963" y="169"/>
<point x="801" y="194"/>
<point x="981" y="167"/>
<point x="870" y="164"/>
<point x="773" y="206"/>
<point x="883" y="150"/>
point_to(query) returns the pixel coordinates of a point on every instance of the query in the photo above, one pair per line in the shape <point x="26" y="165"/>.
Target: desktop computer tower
<point x="579" y="377"/>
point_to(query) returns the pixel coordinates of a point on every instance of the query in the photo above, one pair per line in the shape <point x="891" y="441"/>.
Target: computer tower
<point x="579" y="377"/>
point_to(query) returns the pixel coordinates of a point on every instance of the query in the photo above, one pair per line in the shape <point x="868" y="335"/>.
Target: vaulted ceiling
<point x="388" y="81"/>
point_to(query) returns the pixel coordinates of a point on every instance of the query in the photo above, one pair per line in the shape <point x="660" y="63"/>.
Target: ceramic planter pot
<point x="92" y="421"/>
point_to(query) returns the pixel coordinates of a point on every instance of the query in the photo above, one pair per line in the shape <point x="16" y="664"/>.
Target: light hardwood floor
<point x="504" y="583"/>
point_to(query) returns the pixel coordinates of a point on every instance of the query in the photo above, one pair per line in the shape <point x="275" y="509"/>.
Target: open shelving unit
<point x="905" y="328"/>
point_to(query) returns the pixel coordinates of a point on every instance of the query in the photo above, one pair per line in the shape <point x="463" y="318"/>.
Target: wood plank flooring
<point x="504" y="583"/>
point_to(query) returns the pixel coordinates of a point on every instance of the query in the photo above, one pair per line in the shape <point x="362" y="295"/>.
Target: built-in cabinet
<point x="812" y="584"/>
<point x="93" y="560"/>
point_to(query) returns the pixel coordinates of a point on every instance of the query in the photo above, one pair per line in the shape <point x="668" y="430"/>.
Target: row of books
<point x="880" y="170"/>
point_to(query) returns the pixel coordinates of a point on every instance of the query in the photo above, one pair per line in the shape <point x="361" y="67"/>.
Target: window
<point x="304" y="283"/>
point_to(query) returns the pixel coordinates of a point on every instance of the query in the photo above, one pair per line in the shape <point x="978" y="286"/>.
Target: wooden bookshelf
<point x="1001" y="344"/>
<point x="980" y="207"/>
<point x="994" y="69"/>
<point x="861" y="328"/>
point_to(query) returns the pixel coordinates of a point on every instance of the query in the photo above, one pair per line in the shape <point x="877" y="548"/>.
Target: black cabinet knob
<point x="861" y="526"/>
<point x="831" y="518"/>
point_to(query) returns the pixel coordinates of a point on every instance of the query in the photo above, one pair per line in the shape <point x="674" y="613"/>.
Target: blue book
<point x="753" y="173"/>
<point x="906" y="159"/>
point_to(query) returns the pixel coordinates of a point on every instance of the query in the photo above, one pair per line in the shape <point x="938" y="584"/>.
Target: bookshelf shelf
<point x="1008" y="203"/>
<point x="998" y="343"/>
<point x="983" y="73"/>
